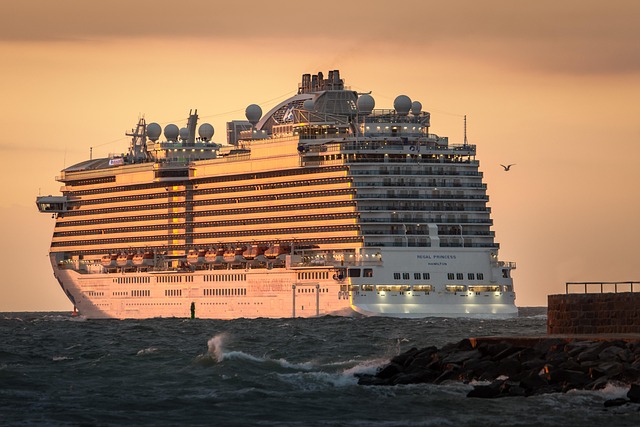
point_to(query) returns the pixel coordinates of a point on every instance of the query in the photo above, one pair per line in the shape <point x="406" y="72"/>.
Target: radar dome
<point x="154" y="131"/>
<point x="184" y="134"/>
<point x="365" y="103"/>
<point x="308" y="105"/>
<point x="253" y="113"/>
<point x="402" y="105"/>
<point x="416" y="108"/>
<point x="171" y="132"/>
<point x="205" y="131"/>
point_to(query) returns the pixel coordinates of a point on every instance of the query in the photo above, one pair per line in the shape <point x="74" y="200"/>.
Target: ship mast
<point x="138" y="146"/>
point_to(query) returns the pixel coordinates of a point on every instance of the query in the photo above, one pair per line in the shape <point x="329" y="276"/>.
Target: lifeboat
<point x="210" y="256"/>
<point x="124" y="260"/>
<point x="272" y="252"/>
<point x="284" y="251"/>
<point x="219" y="260"/>
<point x="196" y="257"/>
<point x="252" y="252"/>
<point x="109" y="260"/>
<point x="142" y="258"/>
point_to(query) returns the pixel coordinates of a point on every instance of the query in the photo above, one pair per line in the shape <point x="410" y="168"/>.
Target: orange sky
<point x="551" y="86"/>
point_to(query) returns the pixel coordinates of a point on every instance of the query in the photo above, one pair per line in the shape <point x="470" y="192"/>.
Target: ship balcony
<point x="52" y="204"/>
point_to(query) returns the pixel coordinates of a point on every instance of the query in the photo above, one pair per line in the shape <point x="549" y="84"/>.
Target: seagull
<point x="506" y="168"/>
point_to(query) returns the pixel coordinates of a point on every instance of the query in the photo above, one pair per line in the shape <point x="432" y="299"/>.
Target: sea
<point x="59" y="370"/>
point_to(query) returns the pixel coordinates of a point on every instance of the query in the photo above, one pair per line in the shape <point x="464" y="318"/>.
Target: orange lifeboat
<point x="142" y="258"/>
<point x="210" y="256"/>
<point x="272" y="252"/>
<point x="196" y="257"/>
<point x="109" y="260"/>
<point x="229" y="255"/>
<point x="252" y="252"/>
<point x="124" y="260"/>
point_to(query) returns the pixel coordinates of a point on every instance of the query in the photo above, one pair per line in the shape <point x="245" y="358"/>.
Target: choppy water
<point x="56" y="370"/>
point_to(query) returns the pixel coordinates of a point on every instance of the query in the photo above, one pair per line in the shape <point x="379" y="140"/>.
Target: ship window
<point x="480" y="276"/>
<point x="484" y="288"/>
<point x="450" y="276"/>
<point x="396" y="276"/>
<point x="354" y="272"/>
<point x="471" y="276"/>
<point x="405" y="276"/>
<point x="426" y="276"/>
<point x="422" y="288"/>
<point x="459" y="276"/>
<point x="416" y="276"/>
<point x="368" y="272"/>
<point x="455" y="288"/>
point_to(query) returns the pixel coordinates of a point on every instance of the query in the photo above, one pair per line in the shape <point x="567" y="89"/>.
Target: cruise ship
<point x="322" y="206"/>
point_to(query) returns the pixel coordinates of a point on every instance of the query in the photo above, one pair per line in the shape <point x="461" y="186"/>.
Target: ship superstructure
<point x="324" y="205"/>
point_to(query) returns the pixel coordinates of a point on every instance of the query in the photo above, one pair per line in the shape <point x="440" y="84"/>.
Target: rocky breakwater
<point x="519" y="366"/>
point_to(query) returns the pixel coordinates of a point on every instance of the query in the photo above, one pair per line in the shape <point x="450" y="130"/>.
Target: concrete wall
<point x="608" y="313"/>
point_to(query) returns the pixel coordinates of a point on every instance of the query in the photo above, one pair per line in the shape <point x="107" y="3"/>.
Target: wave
<point x="148" y="350"/>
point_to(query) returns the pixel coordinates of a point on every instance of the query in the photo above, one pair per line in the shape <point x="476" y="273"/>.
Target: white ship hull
<point x="286" y="292"/>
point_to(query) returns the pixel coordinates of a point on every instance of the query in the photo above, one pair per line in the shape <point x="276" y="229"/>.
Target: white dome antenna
<point x="253" y="114"/>
<point x="171" y="132"/>
<point x="365" y="104"/>
<point x="184" y="134"/>
<point x="416" y="108"/>
<point x="205" y="131"/>
<point x="402" y="105"/>
<point x="154" y="131"/>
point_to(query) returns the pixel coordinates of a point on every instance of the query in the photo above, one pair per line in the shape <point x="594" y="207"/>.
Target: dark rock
<point x="607" y="368"/>
<point x="420" y="377"/>
<point x="615" y="402"/>
<point x="418" y="364"/>
<point x="389" y="371"/>
<point x="477" y="368"/>
<point x="553" y="345"/>
<point x="628" y="376"/>
<point x="533" y="365"/>
<point x="615" y="353"/>
<point x="550" y="366"/>
<point x="405" y="357"/>
<point x="449" y="374"/>
<point x="634" y="393"/>
<point x="572" y="379"/>
<point x="506" y="352"/>
<point x="462" y="356"/>
<point x="490" y="391"/>
<point x="532" y="382"/>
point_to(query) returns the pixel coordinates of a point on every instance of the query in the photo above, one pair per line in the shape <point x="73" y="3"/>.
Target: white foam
<point x="59" y="358"/>
<point x="146" y="351"/>
<point x="365" y="367"/>
<point x="215" y="348"/>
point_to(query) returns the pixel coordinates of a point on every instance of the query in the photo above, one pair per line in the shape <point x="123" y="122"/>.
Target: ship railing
<point x="411" y="172"/>
<point x="423" y="196"/>
<point x="601" y="287"/>
<point x="427" y="220"/>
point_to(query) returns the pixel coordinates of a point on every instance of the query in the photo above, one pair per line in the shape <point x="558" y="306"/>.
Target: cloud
<point x="571" y="36"/>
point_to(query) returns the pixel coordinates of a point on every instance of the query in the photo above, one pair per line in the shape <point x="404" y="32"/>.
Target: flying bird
<point x="506" y="168"/>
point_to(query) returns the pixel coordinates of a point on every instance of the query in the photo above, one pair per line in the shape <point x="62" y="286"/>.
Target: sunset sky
<point x="552" y="86"/>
